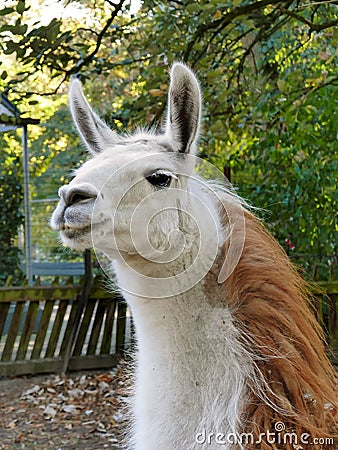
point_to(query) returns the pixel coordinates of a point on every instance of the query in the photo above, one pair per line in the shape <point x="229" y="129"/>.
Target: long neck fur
<point x="272" y="308"/>
<point x="232" y="357"/>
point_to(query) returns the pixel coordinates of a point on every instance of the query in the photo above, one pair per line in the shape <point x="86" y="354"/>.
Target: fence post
<point x="227" y="173"/>
<point x="26" y="192"/>
<point x="121" y="326"/>
<point x="82" y="303"/>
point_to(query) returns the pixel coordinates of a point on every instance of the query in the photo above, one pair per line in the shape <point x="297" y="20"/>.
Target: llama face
<point x="120" y="197"/>
<point x="132" y="195"/>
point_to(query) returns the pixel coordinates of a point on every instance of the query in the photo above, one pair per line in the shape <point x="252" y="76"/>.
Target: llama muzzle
<point x="72" y="195"/>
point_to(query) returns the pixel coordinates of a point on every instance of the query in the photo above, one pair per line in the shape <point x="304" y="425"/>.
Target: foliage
<point x="268" y="73"/>
<point x="11" y="194"/>
<point x="296" y="175"/>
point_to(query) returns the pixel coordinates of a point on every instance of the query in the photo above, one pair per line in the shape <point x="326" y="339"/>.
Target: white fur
<point x="191" y="370"/>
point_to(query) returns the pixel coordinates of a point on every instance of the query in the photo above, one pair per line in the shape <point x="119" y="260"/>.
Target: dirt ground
<point x="79" y="411"/>
<point x="74" y="412"/>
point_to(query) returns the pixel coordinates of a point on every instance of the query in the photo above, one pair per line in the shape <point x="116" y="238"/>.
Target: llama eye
<point x="160" y="179"/>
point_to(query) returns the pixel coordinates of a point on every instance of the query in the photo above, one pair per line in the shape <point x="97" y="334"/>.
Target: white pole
<point x="27" y="208"/>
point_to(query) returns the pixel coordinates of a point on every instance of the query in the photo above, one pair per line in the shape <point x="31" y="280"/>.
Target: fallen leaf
<point x="91" y="390"/>
<point x="90" y="422"/>
<point x="118" y="417"/>
<point x="70" y="409"/>
<point x="19" y="438"/>
<point x="103" y="385"/>
<point x="101" y="428"/>
<point x="31" y="391"/>
<point x="49" y="411"/>
<point x="51" y="390"/>
<point x="83" y="379"/>
<point x="12" y="424"/>
<point x="105" y="377"/>
<point x="76" y="392"/>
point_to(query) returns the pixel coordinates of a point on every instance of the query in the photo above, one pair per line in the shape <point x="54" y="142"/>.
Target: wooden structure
<point x="60" y="327"/>
<point x="10" y="119"/>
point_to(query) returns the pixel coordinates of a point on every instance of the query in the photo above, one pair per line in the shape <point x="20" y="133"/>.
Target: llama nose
<point x="77" y="194"/>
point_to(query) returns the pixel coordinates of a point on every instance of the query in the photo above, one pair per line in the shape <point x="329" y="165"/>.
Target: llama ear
<point x="184" y="109"/>
<point x="93" y="131"/>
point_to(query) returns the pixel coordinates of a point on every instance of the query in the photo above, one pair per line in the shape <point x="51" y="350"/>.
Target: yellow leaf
<point x="156" y="92"/>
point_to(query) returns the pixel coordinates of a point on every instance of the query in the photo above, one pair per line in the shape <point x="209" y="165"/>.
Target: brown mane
<point x="271" y="307"/>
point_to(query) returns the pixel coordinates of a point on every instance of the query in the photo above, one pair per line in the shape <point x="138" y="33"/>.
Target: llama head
<point x="133" y="183"/>
<point x="138" y="196"/>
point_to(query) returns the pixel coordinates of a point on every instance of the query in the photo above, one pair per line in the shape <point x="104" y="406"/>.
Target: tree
<point x="11" y="194"/>
<point x="268" y="71"/>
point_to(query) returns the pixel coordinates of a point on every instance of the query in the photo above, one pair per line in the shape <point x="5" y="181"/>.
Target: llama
<point x="229" y="354"/>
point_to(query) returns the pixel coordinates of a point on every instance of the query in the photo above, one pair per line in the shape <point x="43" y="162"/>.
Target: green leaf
<point x="19" y="29"/>
<point x="282" y="85"/>
<point x="5" y="11"/>
<point x="20" y="7"/>
<point x="194" y="7"/>
<point x="52" y="31"/>
<point x="10" y="47"/>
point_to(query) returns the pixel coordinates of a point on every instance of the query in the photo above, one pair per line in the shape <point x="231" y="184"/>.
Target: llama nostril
<point x="77" y="197"/>
<point x="74" y="195"/>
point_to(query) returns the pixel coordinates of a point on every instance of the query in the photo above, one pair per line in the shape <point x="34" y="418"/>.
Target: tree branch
<point x="301" y="93"/>
<point x="313" y="26"/>
<point x="88" y="59"/>
<point x="221" y="23"/>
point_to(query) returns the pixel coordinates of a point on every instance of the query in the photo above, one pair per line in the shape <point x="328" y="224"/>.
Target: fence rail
<point x="60" y="327"/>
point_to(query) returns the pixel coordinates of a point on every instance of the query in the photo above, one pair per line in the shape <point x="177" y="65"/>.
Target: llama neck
<point x="191" y="370"/>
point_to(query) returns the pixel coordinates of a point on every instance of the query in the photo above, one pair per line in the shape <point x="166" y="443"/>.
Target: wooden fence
<point x="60" y="327"/>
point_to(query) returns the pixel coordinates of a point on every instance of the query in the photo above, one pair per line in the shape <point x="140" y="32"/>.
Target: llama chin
<point x="227" y="346"/>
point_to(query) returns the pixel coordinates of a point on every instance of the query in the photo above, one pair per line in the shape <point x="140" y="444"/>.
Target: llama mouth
<point x="73" y="232"/>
